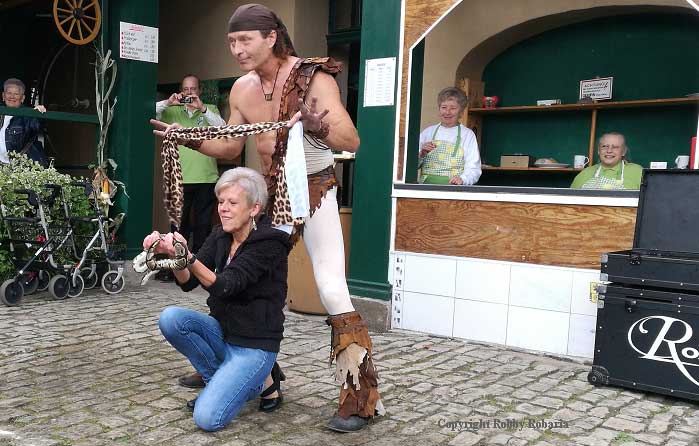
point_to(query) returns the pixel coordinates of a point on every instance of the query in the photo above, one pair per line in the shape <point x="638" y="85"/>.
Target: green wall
<point x="371" y="209"/>
<point x="131" y="139"/>
<point x="649" y="56"/>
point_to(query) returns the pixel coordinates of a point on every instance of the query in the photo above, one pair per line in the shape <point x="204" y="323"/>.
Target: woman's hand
<point x="456" y="180"/>
<point x="180" y="238"/>
<point x="150" y="239"/>
<point x="166" y="245"/>
<point x="427" y="148"/>
<point x="161" y="128"/>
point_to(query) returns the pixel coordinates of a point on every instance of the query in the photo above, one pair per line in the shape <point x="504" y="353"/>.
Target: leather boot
<point x="359" y="395"/>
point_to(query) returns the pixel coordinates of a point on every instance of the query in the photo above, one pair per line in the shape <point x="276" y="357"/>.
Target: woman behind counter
<point x="449" y="150"/>
<point x="612" y="172"/>
<point x="243" y="266"/>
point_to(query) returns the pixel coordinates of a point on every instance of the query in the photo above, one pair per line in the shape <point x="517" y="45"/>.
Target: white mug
<point x="579" y="161"/>
<point x="682" y="161"/>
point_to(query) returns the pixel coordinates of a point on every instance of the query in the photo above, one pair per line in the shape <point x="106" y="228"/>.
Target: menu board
<point x="138" y="42"/>
<point x="379" y="82"/>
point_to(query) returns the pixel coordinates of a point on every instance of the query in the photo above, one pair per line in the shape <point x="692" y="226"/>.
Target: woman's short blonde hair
<point x="251" y="181"/>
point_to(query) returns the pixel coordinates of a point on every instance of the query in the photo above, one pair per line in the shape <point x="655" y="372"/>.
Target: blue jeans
<point x="233" y="374"/>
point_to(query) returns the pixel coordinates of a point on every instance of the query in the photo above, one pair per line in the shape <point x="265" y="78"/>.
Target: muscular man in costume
<point x="280" y="86"/>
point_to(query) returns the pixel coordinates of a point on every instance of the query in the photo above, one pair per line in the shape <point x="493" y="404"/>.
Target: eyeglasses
<point x="610" y="147"/>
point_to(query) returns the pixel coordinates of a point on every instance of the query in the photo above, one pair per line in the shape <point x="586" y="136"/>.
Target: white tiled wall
<point x="581" y="303"/>
<point x="430" y="275"/>
<point x="538" y="329"/>
<point x="535" y="307"/>
<point x="480" y="321"/>
<point x="484" y="281"/>
<point x="428" y="313"/>
<point x="581" y="337"/>
<point x="540" y="287"/>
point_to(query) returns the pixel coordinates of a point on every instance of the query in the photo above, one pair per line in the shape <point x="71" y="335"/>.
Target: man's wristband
<point x="191" y="260"/>
<point x="322" y="132"/>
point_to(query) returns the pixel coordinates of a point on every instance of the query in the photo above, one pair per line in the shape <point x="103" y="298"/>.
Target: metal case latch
<point x="635" y="259"/>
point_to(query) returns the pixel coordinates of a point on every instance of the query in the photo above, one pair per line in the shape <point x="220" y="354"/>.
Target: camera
<point x="186" y="100"/>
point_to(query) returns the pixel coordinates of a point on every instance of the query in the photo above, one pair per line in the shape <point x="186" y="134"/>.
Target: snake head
<point x="139" y="262"/>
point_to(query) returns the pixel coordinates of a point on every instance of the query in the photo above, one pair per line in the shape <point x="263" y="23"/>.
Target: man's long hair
<point x="283" y="47"/>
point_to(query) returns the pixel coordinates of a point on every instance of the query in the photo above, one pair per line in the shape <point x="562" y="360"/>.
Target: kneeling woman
<point x="243" y="266"/>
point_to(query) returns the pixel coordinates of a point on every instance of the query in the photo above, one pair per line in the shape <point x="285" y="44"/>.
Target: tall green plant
<point x="105" y="79"/>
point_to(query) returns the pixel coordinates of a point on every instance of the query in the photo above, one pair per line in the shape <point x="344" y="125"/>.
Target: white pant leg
<point x="323" y="238"/>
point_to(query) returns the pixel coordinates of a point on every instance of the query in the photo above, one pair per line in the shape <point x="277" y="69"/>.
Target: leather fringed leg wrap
<point x="351" y="348"/>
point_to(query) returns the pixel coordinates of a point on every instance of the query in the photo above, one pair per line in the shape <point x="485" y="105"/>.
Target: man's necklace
<point x="268" y="96"/>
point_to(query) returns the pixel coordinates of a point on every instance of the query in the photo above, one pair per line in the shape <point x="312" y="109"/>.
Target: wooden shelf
<point x="583" y="107"/>
<point x="538" y="169"/>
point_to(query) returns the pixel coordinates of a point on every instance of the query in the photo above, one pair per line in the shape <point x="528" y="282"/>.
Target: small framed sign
<point x="597" y="89"/>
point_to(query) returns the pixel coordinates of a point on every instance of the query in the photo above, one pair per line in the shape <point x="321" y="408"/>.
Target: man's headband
<point x="254" y="17"/>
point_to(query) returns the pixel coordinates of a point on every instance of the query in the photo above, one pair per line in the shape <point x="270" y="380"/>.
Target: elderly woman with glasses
<point x="612" y="171"/>
<point x="243" y="266"/>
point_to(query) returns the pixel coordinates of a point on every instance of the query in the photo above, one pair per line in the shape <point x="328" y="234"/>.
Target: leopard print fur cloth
<point x="172" y="170"/>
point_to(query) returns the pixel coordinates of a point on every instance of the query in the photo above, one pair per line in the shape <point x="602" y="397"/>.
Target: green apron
<point x="444" y="161"/>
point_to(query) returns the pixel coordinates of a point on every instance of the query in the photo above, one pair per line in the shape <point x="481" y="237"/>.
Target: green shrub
<point x="23" y="173"/>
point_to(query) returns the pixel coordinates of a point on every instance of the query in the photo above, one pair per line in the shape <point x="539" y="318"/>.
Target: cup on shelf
<point x="580" y="161"/>
<point x="682" y="161"/>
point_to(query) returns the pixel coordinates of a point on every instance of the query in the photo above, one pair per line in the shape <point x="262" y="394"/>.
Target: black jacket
<point x="249" y="293"/>
<point x="23" y="132"/>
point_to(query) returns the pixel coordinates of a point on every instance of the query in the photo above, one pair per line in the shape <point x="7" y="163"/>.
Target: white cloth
<point x="472" y="159"/>
<point x="4" y="158"/>
<point x="295" y="171"/>
<point x="211" y="117"/>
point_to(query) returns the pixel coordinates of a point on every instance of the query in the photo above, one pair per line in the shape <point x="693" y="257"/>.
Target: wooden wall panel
<point x="419" y="16"/>
<point x="545" y="234"/>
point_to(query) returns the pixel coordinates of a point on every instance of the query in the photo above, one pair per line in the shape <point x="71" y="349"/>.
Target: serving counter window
<point x="653" y="108"/>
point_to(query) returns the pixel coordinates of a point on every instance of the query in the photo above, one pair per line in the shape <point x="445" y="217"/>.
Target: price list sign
<point x="379" y="81"/>
<point x="138" y="42"/>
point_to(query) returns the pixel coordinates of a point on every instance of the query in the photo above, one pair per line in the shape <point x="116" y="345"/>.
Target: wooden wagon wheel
<point x="78" y="21"/>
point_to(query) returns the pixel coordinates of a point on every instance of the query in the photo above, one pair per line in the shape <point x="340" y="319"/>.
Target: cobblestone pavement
<point x="94" y="370"/>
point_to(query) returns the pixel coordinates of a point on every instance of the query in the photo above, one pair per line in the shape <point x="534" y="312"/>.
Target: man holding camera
<point x="199" y="172"/>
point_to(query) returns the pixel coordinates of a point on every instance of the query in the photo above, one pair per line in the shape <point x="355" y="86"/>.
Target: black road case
<point x="648" y="340"/>
<point x="647" y="334"/>
<point x="666" y="239"/>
